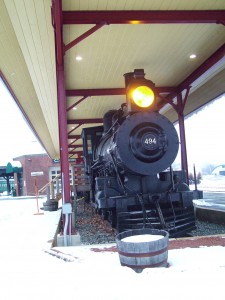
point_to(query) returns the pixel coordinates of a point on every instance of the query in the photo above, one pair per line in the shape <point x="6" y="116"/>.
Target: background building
<point x="35" y="164"/>
<point x="219" y="170"/>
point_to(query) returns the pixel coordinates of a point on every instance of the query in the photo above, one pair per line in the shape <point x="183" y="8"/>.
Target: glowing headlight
<point x="143" y="96"/>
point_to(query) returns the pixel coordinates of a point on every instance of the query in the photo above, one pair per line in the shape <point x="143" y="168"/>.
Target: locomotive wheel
<point x="104" y="213"/>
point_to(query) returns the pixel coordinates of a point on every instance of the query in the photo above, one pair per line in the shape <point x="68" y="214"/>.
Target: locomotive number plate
<point x="150" y="141"/>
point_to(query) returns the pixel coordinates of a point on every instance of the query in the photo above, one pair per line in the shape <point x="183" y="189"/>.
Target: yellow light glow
<point x="135" y="22"/>
<point x="143" y="96"/>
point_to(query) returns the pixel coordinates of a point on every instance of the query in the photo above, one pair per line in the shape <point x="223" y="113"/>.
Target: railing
<point x="51" y="190"/>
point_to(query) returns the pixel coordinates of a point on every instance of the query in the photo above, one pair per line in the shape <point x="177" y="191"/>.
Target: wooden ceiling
<point x="113" y="38"/>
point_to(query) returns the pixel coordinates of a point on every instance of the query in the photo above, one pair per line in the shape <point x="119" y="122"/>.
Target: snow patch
<point x="142" y="238"/>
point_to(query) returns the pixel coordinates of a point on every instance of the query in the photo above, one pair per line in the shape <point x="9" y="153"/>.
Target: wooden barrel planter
<point x="143" y="248"/>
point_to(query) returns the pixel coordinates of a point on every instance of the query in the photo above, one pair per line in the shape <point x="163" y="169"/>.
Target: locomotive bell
<point x="139" y="91"/>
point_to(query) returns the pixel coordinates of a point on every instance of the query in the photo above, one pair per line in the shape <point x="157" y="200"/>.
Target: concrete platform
<point x="211" y="215"/>
<point x="73" y="240"/>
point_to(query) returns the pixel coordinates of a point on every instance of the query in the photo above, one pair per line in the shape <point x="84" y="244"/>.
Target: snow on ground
<point x="28" y="272"/>
<point x="212" y="183"/>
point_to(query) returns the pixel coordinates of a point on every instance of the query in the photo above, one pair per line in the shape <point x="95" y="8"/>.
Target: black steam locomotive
<point x="129" y="162"/>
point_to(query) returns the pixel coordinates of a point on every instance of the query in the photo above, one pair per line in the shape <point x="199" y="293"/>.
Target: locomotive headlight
<point x="140" y="92"/>
<point x="143" y="96"/>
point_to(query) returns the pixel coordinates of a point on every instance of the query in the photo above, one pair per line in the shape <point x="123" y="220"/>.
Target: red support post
<point x="180" y="111"/>
<point x="62" y="108"/>
<point x="63" y="137"/>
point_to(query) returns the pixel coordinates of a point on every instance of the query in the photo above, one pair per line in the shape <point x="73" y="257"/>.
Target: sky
<point x="15" y="134"/>
<point x="30" y="271"/>
<point x="204" y="133"/>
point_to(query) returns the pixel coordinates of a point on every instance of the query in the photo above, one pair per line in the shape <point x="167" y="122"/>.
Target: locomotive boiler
<point x="129" y="162"/>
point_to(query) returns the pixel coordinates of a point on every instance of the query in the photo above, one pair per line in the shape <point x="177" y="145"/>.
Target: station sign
<point x="37" y="173"/>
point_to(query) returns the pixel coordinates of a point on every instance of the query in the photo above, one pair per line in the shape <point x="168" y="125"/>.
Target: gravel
<point x="91" y="227"/>
<point x="94" y="230"/>
<point x="206" y="228"/>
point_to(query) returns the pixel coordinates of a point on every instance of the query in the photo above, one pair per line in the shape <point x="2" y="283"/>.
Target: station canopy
<point x="10" y="169"/>
<point x="101" y="41"/>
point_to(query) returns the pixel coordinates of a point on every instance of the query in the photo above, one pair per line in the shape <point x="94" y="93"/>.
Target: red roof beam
<point x="83" y="36"/>
<point x="75" y="146"/>
<point x="76" y="152"/>
<point x="72" y="143"/>
<point x="144" y="17"/>
<point x="112" y="92"/>
<point x="74" y="137"/>
<point x="74" y="129"/>
<point x="76" y="103"/>
<point x="84" y="121"/>
<point x="205" y="66"/>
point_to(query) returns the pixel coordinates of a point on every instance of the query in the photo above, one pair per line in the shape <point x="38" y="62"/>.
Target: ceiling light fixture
<point x="79" y="58"/>
<point x="193" y="56"/>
